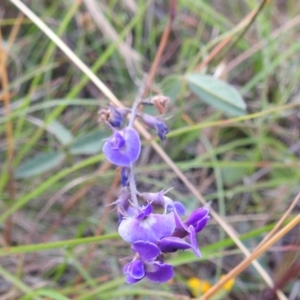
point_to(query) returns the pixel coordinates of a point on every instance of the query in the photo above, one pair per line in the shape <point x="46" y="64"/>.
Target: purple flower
<point x="123" y="147"/>
<point x="148" y="263"/>
<point x="147" y="226"/>
<point x="194" y="224"/>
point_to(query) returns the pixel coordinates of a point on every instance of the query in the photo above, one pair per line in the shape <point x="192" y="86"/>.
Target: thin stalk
<point x="131" y="179"/>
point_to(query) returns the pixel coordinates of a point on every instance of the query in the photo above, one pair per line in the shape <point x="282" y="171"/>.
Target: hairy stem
<point x="135" y="105"/>
<point x="134" y="112"/>
<point x="132" y="186"/>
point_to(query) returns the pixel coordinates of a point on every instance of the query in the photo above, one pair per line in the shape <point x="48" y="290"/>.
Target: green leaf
<point x="61" y="132"/>
<point x="217" y="93"/>
<point x="90" y="143"/>
<point x="39" y="164"/>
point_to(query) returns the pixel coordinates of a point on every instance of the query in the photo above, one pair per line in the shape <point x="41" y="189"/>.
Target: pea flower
<point x="123" y="147"/>
<point x="147" y="226"/>
<point x="147" y="263"/>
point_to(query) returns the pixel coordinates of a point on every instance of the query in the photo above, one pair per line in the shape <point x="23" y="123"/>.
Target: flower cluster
<point x="150" y="222"/>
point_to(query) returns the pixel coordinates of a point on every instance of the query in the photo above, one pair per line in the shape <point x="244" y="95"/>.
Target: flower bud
<point x="160" y="102"/>
<point x="124" y="176"/>
<point x="113" y="115"/>
<point x="160" y="127"/>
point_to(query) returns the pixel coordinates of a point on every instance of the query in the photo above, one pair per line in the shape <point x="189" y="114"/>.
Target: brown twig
<point x="247" y="261"/>
<point x="288" y="275"/>
<point x="280" y="222"/>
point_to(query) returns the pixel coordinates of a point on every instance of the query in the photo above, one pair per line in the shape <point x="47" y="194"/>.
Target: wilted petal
<point x="147" y="251"/>
<point x="173" y="244"/>
<point x="123" y="148"/>
<point x="161" y="273"/>
<point x="150" y="229"/>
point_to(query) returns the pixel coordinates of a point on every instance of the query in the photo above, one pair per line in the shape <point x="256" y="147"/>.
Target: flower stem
<point x="132" y="186"/>
<point x="134" y="112"/>
<point x="136" y="104"/>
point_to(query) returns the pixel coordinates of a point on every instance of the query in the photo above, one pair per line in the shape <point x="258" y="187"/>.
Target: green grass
<point x="246" y="167"/>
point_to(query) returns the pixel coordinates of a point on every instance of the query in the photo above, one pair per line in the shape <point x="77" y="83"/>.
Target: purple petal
<point x="181" y="230"/>
<point x="147" y="251"/>
<point x="123" y="148"/>
<point x="196" y="216"/>
<point x="172" y="244"/>
<point x="201" y="224"/>
<point x="117" y="141"/>
<point x="131" y="280"/>
<point x="160" y="126"/>
<point x="145" y="212"/>
<point x="162" y="130"/>
<point x="135" y="269"/>
<point x="193" y="240"/>
<point x="161" y="273"/>
<point x="179" y="208"/>
<point x="151" y="229"/>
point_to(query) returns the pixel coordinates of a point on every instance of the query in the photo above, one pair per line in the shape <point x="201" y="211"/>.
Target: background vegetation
<point x="58" y="236"/>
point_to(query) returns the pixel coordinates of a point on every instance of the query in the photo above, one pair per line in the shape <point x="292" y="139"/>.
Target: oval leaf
<point x="39" y="164"/>
<point x="217" y="93"/>
<point x="88" y="144"/>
